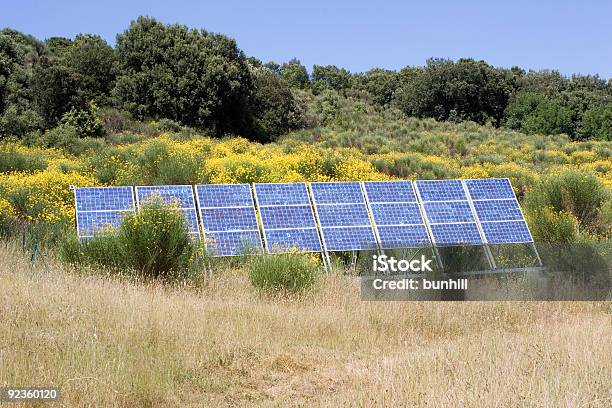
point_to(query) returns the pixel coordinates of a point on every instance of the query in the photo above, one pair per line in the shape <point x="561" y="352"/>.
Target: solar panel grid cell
<point x="104" y="198"/>
<point x="498" y="210"/>
<point x="92" y="223"/>
<point x="390" y="192"/>
<point x="506" y="232"/>
<point x="349" y="239"/>
<point x="482" y="189"/>
<point x="403" y="236"/>
<point x="441" y="190"/>
<point x="442" y="212"/>
<point x="396" y="214"/>
<point x="456" y="234"/>
<point x="282" y="194"/>
<point x="287" y="217"/>
<point x="224" y="195"/>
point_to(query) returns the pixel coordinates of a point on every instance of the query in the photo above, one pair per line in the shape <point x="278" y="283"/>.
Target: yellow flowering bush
<point x="43" y="196"/>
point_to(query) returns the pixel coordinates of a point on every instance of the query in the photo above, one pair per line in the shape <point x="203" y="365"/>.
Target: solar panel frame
<point x="192" y="219"/>
<point x="110" y="211"/>
<point x="387" y="232"/>
<point x="444" y="194"/>
<point x="352" y="191"/>
<point x="508" y="195"/>
<point x="235" y="203"/>
<point x="273" y="197"/>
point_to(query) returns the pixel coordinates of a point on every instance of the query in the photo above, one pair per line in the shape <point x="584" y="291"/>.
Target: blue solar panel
<point x="349" y="239"/>
<point x="456" y="234"/>
<point x="92" y="223"/>
<point x="304" y="239"/>
<point x="229" y="219"/>
<point x="179" y="196"/>
<point x="287" y="217"/>
<point x="337" y="193"/>
<point x="448" y="212"/>
<point x="98" y="209"/>
<point x="282" y="194"/>
<point x="403" y="236"/>
<point x="343" y="215"/>
<point x="104" y="198"/>
<point x="298" y="216"/>
<point x="482" y="189"/>
<point x="498" y="210"/>
<point x="343" y="207"/>
<point x="390" y="192"/>
<point x="506" y="232"/>
<point x="231" y="243"/>
<point x="229" y="222"/>
<point x="396" y="214"/>
<point x="441" y="190"/>
<point x="224" y="195"/>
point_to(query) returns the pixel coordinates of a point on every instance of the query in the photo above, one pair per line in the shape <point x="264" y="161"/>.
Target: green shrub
<point x="549" y="226"/>
<point x="153" y="243"/>
<point x="8" y="219"/>
<point x="12" y="160"/>
<point x="290" y="273"/>
<point x="579" y="193"/>
<point x="86" y="121"/>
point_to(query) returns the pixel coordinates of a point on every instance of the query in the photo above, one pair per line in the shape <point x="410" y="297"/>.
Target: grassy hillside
<point x="348" y="139"/>
<point x="111" y="342"/>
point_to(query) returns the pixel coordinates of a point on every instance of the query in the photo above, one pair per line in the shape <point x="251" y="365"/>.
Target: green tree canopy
<point x="531" y="112"/>
<point x="92" y="61"/>
<point x="597" y="123"/>
<point x="275" y="110"/>
<point x="462" y="90"/>
<point x="295" y="74"/>
<point x="197" y="78"/>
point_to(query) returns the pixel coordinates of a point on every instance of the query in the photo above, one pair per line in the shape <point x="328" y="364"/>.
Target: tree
<point x="462" y="90"/>
<point x="531" y="112"/>
<point x="597" y="123"/>
<point x="331" y="76"/>
<point x="54" y="91"/>
<point x="295" y="74"/>
<point x="194" y="77"/>
<point x="91" y="60"/>
<point x="18" y="54"/>
<point x="275" y="110"/>
<point x="381" y="84"/>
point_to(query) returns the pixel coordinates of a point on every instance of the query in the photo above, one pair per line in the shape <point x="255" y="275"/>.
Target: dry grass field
<point x="109" y="342"/>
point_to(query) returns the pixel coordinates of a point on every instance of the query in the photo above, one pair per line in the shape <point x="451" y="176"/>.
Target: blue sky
<point x="573" y="37"/>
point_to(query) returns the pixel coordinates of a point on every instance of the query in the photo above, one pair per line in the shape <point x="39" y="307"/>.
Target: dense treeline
<point x="184" y="77"/>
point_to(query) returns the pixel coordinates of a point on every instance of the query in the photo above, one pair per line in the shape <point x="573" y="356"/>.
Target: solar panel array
<point x="101" y="208"/>
<point x="179" y="196"/>
<point x="396" y="214"/>
<point x="287" y="217"/>
<point x="228" y="219"/>
<point x="498" y="211"/>
<point x="343" y="216"/>
<point x="332" y="216"/>
<point x="448" y="212"/>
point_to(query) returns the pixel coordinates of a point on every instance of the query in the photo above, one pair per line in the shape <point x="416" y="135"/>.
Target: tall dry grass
<point x="110" y="342"/>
